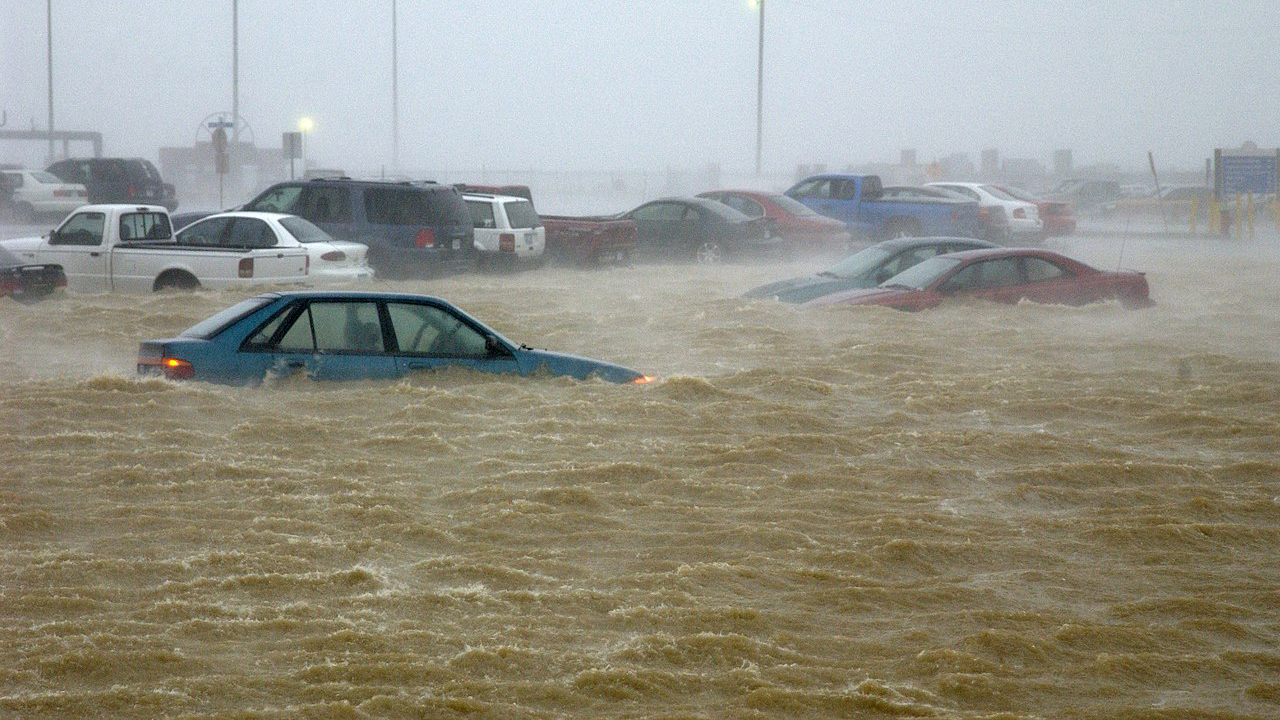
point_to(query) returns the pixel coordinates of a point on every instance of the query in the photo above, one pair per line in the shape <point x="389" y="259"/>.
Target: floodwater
<point x="975" y="512"/>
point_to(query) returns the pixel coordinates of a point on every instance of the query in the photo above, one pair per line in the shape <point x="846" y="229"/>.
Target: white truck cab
<point x="131" y="248"/>
<point x="507" y="228"/>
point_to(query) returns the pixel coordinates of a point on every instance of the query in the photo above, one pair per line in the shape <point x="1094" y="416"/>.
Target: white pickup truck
<point x="131" y="248"/>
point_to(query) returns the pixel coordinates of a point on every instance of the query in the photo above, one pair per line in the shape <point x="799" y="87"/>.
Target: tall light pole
<point x="760" y="89"/>
<point x="49" y="51"/>
<point x="235" y="71"/>
<point x="395" y="98"/>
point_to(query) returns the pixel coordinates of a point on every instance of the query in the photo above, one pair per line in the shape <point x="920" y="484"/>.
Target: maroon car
<point x="787" y="217"/>
<point x="1058" y="217"/>
<point x="1006" y="275"/>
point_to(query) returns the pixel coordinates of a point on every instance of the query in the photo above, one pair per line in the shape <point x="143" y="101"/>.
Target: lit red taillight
<point x="426" y="238"/>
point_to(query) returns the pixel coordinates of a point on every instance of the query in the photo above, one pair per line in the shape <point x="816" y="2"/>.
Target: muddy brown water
<point x="976" y="512"/>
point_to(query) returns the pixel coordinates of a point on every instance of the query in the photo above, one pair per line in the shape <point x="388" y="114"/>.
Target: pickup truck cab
<point x="131" y="248"/>
<point x="859" y="202"/>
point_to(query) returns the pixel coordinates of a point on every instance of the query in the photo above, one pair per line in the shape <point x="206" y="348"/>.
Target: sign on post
<point x="292" y="145"/>
<point x="1241" y="171"/>
<point x="220" y="163"/>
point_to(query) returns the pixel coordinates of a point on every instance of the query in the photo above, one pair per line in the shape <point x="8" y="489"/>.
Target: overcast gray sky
<point x="613" y="84"/>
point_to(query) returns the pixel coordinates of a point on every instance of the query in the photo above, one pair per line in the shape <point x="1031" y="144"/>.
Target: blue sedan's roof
<point x="351" y="294"/>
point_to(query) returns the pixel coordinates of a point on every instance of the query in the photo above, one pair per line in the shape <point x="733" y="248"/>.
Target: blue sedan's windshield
<point x="923" y="275"/>
<point x="860" y="264"/>
<point x="215" y="324"/>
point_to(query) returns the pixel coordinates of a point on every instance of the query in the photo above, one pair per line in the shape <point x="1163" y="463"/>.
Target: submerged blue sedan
<point x="351" y="336"/>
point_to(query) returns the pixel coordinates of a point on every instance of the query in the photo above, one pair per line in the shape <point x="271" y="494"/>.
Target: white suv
<point x="507" y="229"/>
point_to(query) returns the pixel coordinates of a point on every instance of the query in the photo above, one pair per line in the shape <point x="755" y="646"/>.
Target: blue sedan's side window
<point x="299" y="337"/>
<point x="326" y="326"/>
<point x="346" y="327"/>
<point x="428" y="330"/>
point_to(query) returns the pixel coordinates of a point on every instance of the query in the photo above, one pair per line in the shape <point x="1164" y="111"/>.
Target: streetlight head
<point x="305" y="124"/>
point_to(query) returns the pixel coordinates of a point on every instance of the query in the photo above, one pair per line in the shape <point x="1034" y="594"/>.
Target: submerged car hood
<point x="867" y="296"/>
<point x="574" y="366"/>
<point x="804" y="289"/>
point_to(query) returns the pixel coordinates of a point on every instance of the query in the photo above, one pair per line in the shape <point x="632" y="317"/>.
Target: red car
<point x="787" y="217"/>
<point x="1005" y="275"/>
<point x="1058" y="217"/>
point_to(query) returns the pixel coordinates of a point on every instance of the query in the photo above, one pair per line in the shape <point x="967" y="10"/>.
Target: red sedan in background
<point x="787" y="217"/>
<point x="1006" y="275"/>
<point x="1058" y="217"/>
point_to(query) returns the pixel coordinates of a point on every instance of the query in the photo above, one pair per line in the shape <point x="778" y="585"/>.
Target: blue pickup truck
<point x="858" y="201"/>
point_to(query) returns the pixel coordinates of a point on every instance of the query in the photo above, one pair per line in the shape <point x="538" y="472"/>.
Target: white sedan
<point x="1024" y="217"/>
<point x="36" y="193"/>
<point x="328" y="260"/>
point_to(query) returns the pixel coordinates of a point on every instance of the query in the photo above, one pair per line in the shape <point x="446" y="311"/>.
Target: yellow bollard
<point x="1239" y="218"/>
<point x="1214" y="221"/>
<point x="1249" y="213"/>
<point x="1195" y="214"/>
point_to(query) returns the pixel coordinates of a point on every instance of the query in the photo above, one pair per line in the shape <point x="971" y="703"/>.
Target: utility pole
<point x="235" y="71"/>
<point x="49" y="51"/>
<point x="760" y="90"/>
<point x="395" y="98"/>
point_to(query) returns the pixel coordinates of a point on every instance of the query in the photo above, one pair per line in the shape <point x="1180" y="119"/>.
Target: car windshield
<point x="923" y="275"/>
<point x="46" y="178"/>
<point x="522" y="215"/>
<point x="1020" y="194"/>
<point x="791" y="205"/>
<point x="860" y="263"/>
<point x="304" y="231"/>
<point x="215" y="324"/>
<point x="997" y="192"/>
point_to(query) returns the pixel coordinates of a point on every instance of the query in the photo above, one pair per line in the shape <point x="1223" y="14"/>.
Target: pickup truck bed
<point x="589" y="240"/>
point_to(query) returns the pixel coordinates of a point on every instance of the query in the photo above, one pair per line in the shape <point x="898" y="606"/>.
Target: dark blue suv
<point x="412" y="229"/>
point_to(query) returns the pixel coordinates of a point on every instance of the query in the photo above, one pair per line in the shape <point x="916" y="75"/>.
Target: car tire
<point x="176" y="280"/>
<point x="709" y="253"/>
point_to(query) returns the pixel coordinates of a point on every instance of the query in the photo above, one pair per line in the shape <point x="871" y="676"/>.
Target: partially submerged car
<point x="1007" y="275"/>
<point x="699" y="229"/>
<point x="328" y="260"/>
<point x="28" y="282"/>
<point x="351" y="336"/>
<point x="866" y="268"/>
<point x="787" y="217"/>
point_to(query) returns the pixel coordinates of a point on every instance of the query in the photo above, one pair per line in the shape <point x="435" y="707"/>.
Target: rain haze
<point x="946" y="411"/>
<point x="585" y="84"/>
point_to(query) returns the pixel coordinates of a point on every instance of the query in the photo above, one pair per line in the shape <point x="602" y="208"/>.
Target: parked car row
<point x="347" y="229"/>
<point x="919" y="273"/>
